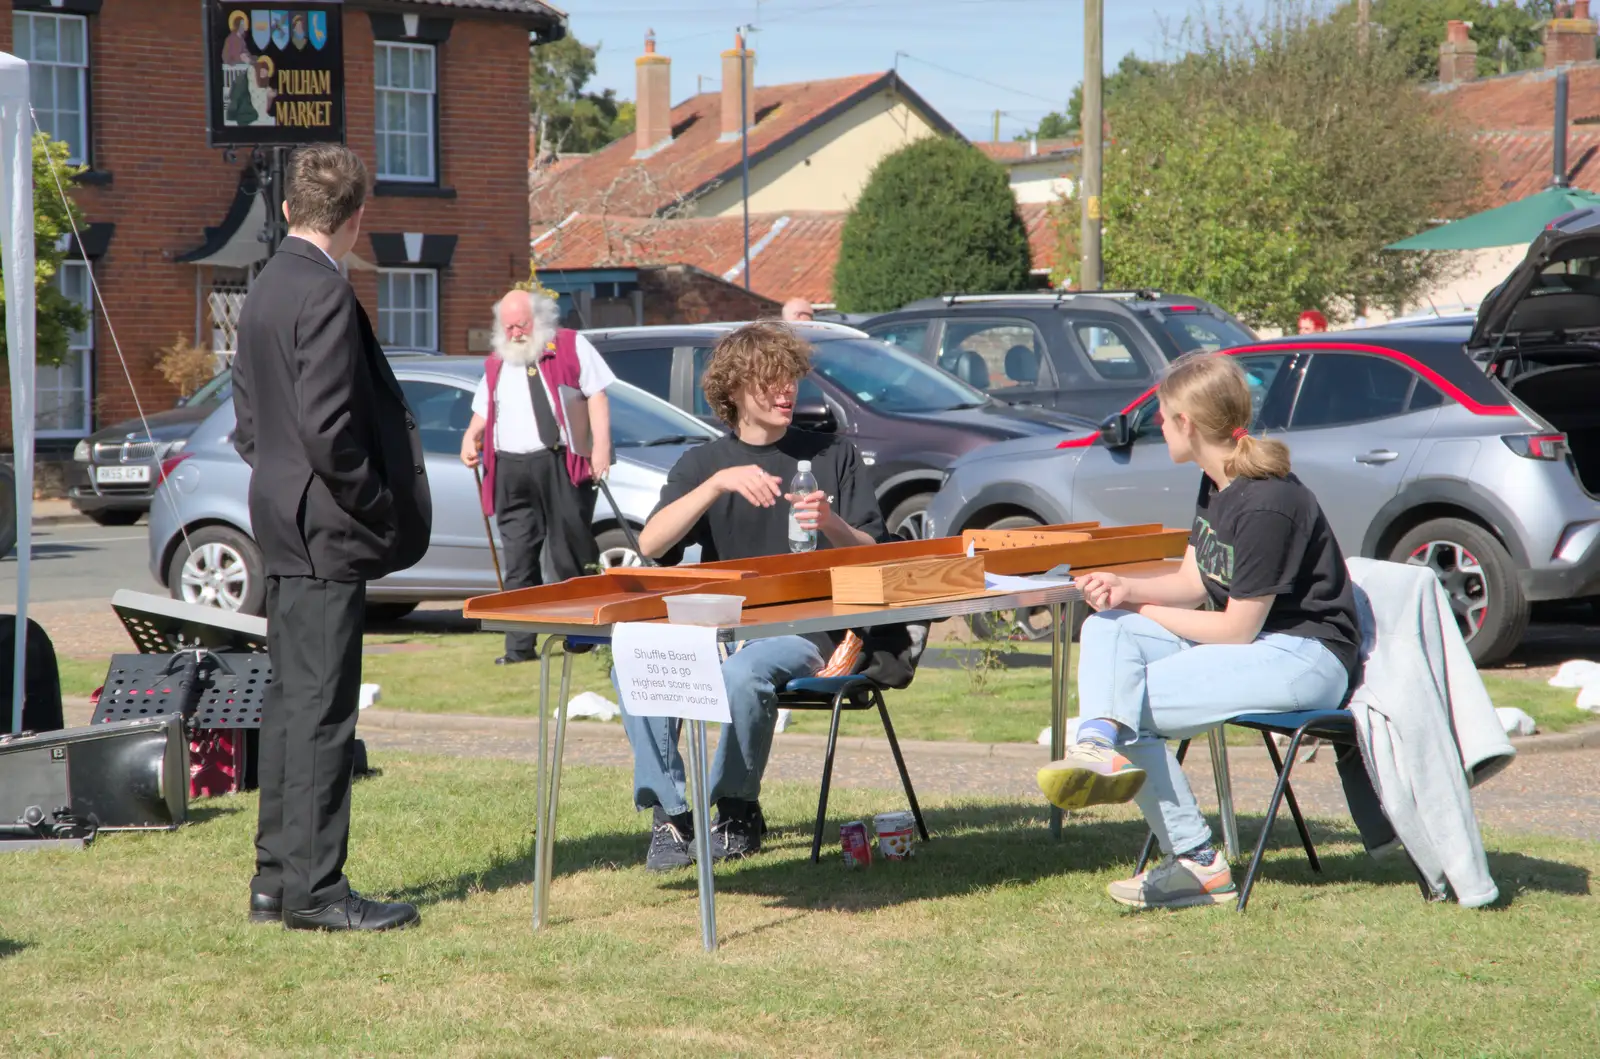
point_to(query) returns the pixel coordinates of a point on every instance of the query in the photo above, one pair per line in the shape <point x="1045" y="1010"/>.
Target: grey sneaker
<point x="1177" y="882"/>
<point x="738" y="829"/>
<point x="671" y="842"/>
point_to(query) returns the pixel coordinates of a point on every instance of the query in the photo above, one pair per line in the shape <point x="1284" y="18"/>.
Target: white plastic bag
<point x="783" y="719"/>
<point x="1072" y="732"/>
<point x="589" y="704"/>
<point x="370" y="693"/>
<point x="1576" y="674"/>
<point x="1515" y="721"/>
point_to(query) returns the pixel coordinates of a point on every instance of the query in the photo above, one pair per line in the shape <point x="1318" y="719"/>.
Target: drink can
<point x="897" y="834"/>
<point x="857" y="850"/>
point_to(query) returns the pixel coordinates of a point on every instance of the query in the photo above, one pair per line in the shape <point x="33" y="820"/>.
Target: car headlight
<point x="81" y="452"/>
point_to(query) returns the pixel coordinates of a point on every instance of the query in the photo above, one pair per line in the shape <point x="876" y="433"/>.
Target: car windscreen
<point x="890" y="380"/>
<point x="640" y="419"/>
<point x="212" y="393"/>
<point x="1187" y="332"/>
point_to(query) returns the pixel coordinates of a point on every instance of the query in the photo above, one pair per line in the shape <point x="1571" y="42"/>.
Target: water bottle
<point x="802" y="539"/>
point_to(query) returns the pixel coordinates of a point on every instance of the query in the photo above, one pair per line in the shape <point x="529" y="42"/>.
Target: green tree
<point x="1267" y="169"/>
<point x="1058" y="126"/>
<point x="935" y="216"/>
<point x="53" y="217"/>
<point x="1507" y="33"/>
<point x="572" y="120"/>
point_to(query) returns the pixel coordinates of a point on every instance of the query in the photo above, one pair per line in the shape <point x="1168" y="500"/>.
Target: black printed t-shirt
<point x="734" y="528"/>
<point x="1269" y="537"/>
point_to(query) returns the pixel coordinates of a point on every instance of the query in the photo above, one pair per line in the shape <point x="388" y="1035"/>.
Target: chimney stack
<point x="1458" y="55"/>
<point x="653" y="111"/>
<point x="731" y="70"/>
<point x="1570" y="39"/>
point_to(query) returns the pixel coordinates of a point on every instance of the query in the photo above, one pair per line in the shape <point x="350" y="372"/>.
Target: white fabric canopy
<point x="16" y="244"/>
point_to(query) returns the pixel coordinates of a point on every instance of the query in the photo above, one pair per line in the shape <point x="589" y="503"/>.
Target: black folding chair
<point x="839" y="695"/>
<point x="1337" y="727"/>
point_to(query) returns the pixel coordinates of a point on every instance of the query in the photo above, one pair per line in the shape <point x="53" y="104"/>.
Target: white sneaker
<point x="1090" y="774"/>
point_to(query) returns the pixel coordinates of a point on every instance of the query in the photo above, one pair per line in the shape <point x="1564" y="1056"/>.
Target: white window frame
<point x="387" y="311"/>
<point x="81" y="345"/>
<point x="426" y="98"/>
<point x="78" y="142"/>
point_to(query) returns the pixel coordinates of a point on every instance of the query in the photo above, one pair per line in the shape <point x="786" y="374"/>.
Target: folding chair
<point x="838" y="695"/>
<point x="1335" y="726"/>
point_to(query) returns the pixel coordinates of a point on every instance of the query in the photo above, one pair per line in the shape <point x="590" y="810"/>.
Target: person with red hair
<point x="1312" y="322"/>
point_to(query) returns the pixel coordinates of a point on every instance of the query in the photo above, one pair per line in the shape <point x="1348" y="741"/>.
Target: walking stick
<point x="477" y="472"/>
<point x="627" y="530"/>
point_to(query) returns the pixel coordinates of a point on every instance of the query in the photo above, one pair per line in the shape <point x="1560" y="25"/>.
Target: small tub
<point x="704" y="609"/>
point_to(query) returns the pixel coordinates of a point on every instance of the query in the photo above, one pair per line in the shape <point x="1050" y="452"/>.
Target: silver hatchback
<point x="1415" y="452"/>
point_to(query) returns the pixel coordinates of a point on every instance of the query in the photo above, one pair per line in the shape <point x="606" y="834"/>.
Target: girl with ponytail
<point x="1281" y="634"/>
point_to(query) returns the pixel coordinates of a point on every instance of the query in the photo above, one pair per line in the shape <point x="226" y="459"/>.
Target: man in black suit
<point x="338" y="497"/>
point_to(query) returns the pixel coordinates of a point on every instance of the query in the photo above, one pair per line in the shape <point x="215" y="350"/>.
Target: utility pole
<point x="744" y="144"/>
<point x="1363" y="24"/>
<point x="997" y="126"/>
<point x="1089" y="182"/>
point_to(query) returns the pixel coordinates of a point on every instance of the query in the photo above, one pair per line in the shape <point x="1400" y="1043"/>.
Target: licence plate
<point x="122" y="474"/>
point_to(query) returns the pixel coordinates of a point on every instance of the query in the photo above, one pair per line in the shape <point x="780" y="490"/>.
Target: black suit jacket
<point x="339" y="489"/>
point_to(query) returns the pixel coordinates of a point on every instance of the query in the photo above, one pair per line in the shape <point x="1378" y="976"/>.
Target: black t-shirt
<point x="734" y="528"/>
<point x="1268" y="537"/>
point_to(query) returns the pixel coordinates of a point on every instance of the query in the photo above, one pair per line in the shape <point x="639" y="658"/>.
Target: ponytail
<point x="1212" y="391"/>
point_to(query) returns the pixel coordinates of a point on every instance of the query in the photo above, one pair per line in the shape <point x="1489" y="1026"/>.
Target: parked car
<point x="908" y="419"/>
<point x="200" y="543"/>
<point x="1416" y="454"/>
<point x="1087" y="353"/>
<point x="115" y="470"/>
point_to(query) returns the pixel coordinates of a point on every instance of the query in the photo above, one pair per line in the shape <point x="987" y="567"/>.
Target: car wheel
<point x="114" y="516"/>
<point x="909" y="519"/>
<point x="1028" y="625"/>
<point x="8" y="510"/>
<point x="382" y="613"/>
<point x="1478" y="577"/>
<point x="615" y="550"/>
<point x="218" y="566"/>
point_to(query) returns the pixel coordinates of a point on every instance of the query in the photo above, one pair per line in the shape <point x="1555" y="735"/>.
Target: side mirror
<point x="817" y="416"/>
<point x="1114" y="431"/>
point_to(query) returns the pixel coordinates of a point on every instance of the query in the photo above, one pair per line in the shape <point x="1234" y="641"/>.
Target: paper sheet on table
<point x="666" y="670"/>
<point x="1004" y="583"/>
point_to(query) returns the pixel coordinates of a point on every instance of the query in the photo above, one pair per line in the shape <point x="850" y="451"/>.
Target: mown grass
<point x="995" y="940"/>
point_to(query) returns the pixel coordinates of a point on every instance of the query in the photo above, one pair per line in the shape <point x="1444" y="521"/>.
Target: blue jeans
<point x="753" y="675"/>
<point x="1161" y="686"/>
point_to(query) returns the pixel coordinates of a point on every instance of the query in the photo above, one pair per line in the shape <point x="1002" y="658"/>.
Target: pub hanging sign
<point x="275" y="74"/>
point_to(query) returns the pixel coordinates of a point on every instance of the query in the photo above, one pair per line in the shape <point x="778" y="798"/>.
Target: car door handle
<point x="1377" y="456"/>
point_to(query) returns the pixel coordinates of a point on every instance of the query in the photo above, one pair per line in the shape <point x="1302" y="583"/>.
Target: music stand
<point x="161" y="626"/>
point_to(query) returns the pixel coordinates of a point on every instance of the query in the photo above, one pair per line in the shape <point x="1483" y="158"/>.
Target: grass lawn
<point x="994" y="941"/>
<point x="456" y="674"/>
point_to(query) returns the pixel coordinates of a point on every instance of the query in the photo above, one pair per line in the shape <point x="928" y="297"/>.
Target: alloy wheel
<point x="1463" y="579"/>
<point x="615" y="557"/>
<point x="914" y="527"/>
<point x="215" y="575"/>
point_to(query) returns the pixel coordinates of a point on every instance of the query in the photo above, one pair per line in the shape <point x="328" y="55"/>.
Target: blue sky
<point x="1030" y="51"/>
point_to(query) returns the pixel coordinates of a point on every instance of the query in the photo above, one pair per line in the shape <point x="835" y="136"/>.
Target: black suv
<point x="909" y="420"/>
<point x="1087" y="353"/>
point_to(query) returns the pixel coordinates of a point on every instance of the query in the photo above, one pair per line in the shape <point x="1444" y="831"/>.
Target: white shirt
<point x="515" y="429"/>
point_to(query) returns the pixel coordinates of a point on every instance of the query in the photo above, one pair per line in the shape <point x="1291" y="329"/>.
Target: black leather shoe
<point x="354" y="913"/>
<point x="264" y="909"/>
<point x="507" y="660"/>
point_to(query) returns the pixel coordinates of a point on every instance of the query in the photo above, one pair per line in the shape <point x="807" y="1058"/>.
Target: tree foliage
<point x="936" y="216"/>
<point x="53" y="217"/>
<point x="1057" y="125"/>
<point x="1507" y="34"/>
<point x="573" y="120"/>
<point x="1268" y="167"/>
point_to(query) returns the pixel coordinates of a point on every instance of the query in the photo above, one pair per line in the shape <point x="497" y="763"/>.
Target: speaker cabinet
<point x="126" y="775"/>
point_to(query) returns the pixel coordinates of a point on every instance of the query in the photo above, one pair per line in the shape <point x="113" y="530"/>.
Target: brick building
<point x="173" y="225"/>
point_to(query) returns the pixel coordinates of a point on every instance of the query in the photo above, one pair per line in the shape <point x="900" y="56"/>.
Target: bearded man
<point x="540" y="492"/>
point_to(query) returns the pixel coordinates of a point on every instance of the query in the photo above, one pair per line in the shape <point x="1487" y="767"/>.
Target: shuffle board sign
<point x="276" y="74"/>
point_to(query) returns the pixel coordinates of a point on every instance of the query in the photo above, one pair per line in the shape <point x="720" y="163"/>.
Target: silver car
<point x="200" y="543"/>
<point x="1415" y="452"/>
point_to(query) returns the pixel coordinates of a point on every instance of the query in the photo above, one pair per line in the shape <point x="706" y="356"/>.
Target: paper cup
<point x="897" y="834"/>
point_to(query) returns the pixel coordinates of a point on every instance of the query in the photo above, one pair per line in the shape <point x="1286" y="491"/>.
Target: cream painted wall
<point x="1045" y="180"/>
<point x="827" y="168"/>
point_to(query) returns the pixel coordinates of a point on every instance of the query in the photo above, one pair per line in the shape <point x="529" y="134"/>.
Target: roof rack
<point x="1056" y="297"/>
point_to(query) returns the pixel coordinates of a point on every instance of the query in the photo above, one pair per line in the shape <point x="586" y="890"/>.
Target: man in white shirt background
<point x="541" y="493"/>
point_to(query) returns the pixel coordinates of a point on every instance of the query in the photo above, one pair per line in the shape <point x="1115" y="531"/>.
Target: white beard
<point x="521" y="352"/>
<point x="518" y="352"/>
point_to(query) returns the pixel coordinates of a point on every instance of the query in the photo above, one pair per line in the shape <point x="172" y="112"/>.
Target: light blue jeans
<point x="1161" y="686"/>
<point x="753" y="674"/>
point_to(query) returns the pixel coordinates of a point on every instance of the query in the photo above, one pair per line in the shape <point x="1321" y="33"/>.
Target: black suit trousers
<point x="545" y="527"/>
<point x="307" y="748"/>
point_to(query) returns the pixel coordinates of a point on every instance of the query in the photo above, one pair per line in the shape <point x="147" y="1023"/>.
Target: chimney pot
<point x="1570" y="36"/>
<point x="1455" y="31"/>
<point x="653" y="117"/>
<point x="732" y="68"/>
<point x="1458" y="55"/>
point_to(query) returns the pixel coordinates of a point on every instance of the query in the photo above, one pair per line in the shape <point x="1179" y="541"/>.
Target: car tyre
<point x="1480" y="578"/>
<point x="909" y="519"/>
<point x="226" y="572"/>
<point x="616" y="550"/>
<point x="1025" y="626"/>
<point x="114" y="516"/>
<point x="385" y="612"/>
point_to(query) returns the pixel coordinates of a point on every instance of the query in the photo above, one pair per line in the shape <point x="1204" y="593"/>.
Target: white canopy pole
<point x="16" y="243"/>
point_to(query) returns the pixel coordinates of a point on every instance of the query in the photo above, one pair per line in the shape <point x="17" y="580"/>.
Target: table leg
<point x="1219" y="773"/>
<point x="699" y="777"/>
<point x="546" y="866"/>
<point x="1058" y="700"/>
<point x="542" y="838"/>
